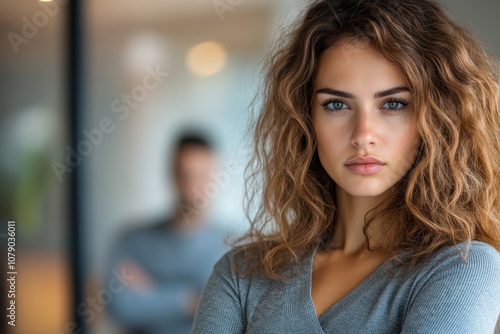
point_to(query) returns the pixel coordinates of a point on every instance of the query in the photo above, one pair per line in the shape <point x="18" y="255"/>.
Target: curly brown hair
<point x="451" y="194"/>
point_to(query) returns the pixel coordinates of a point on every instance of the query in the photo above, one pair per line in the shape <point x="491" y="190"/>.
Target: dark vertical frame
<point x="75" y="101"/>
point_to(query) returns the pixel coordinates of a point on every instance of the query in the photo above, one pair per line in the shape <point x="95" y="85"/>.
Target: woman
<point x="379" y="144"/>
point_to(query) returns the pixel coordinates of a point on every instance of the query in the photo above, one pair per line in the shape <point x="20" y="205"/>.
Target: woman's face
<point x="362" y="108"/>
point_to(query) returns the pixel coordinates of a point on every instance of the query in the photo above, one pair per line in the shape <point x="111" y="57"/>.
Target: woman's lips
<point x="365" y="169"/>
<point x="365" y="165"/>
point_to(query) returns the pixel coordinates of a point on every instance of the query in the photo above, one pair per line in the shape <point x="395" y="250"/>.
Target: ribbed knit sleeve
<point x="452" y="296"/>
<point x="220" y="309"/>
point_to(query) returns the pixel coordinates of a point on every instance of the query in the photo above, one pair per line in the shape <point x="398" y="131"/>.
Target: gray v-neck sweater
<point x="444" y="295"/>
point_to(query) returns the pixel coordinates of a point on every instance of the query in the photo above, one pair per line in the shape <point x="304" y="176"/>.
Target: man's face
<point x="192" y="174"/>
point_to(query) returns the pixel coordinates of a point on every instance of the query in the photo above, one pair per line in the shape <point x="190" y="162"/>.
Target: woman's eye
<point x="394" y="105"/>
<point x="335" y="105"/>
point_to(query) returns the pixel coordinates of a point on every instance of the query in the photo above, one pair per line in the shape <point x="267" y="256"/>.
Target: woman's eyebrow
<point x="346" y="95"/>
<point x="392" y="91"/>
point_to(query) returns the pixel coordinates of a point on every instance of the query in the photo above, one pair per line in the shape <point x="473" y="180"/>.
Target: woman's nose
<point x="363" y="134"/>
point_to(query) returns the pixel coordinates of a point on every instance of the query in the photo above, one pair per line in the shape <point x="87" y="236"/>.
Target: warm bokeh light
<point x="206" y="59"/>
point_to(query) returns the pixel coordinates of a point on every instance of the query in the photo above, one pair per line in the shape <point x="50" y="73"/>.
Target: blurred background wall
<point x="33" y="133"/>
<point x="206" y="56"/>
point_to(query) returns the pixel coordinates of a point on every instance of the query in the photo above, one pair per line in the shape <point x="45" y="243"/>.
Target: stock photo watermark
<point x="122" y="108"/>
<point x="11" y="273"/>
<point x="30" y="27"/>
<point x="223" y="6"/>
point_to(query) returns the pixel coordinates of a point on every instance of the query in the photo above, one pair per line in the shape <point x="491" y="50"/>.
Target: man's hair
<point x="193" y="138"/>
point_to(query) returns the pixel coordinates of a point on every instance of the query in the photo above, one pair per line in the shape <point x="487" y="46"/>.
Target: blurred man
<point x="167" y="263"/>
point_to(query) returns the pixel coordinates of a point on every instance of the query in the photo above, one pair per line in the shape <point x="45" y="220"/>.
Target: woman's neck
<point x="349" y="223"/>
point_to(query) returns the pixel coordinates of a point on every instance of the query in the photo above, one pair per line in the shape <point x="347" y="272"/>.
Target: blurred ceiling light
<point x="206" y="59"/>
<point x="45" y="0"/>
<point x="144" y="49"/>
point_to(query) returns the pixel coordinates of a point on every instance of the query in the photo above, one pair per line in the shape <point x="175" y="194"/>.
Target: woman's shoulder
<point x="244" y="262"/>
<point x="463" y="263"/>
<point x="231" y="270"/>
<point x="228" y="259"/>
<point x="237" y="257"/>
<point x="457" y="287"/>
<point x="474" y="253"/>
